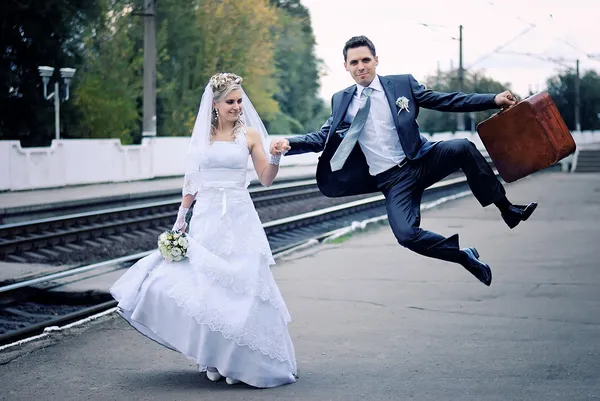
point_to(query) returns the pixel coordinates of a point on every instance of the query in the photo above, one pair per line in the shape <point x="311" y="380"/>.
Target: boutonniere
<point x="402" y="103"/>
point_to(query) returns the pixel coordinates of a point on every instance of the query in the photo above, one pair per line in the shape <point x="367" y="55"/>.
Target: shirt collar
<point x="375" y="85"/>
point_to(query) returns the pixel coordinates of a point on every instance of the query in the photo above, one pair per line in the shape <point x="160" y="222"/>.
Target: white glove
<point x="180" y="224"/>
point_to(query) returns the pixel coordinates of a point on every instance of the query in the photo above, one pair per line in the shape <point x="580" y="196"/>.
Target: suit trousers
<point x="403" y="189"/>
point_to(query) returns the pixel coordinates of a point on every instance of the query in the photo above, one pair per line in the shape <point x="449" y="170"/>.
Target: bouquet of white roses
<point x="173" y="245"/>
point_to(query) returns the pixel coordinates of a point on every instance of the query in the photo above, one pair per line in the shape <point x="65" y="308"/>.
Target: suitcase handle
<point x="502" y="110"/>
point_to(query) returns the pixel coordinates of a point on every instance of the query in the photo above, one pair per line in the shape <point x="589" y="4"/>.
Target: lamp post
<point x="66" y="74"/>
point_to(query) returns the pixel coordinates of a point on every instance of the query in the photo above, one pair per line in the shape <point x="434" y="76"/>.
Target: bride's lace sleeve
<point x="192" y="177"/>
<point x="191" y="183"/>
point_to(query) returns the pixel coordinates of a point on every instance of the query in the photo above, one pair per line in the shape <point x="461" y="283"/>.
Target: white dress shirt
<point x="379" y="138"/>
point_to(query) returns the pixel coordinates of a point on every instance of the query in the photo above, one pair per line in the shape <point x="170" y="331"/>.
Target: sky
<point x="414" y="37"/>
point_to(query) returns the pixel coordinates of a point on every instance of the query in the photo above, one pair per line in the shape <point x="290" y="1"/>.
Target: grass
<point x="340" y="239"/>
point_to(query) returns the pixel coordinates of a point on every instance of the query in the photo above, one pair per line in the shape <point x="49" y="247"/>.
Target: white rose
<point x="176" y="252"/>
<point x="182" y="242"/>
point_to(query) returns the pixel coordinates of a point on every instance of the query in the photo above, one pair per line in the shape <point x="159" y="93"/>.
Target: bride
<point x="220" y="306"/>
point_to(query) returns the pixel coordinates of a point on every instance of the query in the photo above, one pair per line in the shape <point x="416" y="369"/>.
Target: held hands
<point x="505" y="99"/>
<point x="279" y="146"/>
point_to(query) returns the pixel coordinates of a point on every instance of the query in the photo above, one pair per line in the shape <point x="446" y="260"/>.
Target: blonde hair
<point x="223" y="84"/>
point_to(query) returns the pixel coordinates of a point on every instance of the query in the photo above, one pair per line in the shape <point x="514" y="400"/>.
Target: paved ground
<point x="372" y="321"/>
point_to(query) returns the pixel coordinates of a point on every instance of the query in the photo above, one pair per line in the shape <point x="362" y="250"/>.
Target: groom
<point x="371" y="142"/>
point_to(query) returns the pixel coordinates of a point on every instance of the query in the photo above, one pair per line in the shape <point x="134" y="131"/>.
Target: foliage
<point x="562" y="90"/>
<point x="200" y="38"/>
<point x="32" y="34"/>
<point x="297" y="72"/>
<point x="432" y="121"/>
<point x="269" y="43"/>
<point x="110" y="86"/>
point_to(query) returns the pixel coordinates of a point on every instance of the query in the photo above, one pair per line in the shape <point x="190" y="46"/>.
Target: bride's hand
<point x="180" y="224"/>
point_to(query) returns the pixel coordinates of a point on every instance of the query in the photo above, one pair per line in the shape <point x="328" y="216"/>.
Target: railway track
<point x="28" y="307"/>
<point x="167" y="190"/>
<point x="46" y="239"/>
<point x="101" y="234"/>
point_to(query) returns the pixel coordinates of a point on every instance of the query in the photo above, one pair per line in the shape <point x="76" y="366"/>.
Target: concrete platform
<point x="373" y="321"/>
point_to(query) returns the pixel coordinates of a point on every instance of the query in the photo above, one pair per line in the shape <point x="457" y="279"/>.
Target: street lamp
<point x="66" y="74"/>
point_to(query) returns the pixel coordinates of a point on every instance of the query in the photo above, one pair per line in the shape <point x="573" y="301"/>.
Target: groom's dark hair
<point x="358" y="41"/>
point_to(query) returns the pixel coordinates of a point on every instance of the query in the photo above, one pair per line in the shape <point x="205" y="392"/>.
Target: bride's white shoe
<point x="229" y="380"/>
<point x="213" y="375"/>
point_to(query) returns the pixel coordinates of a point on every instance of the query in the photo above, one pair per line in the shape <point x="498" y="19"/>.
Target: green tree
<point x="180" y="78"/>
<point x="297" y="71"/>
<point x="32" y="34"/>
<point x="200" y="38"/>
<point x="562" y="89"/>
<point x="432" y="121"/>
<point x="269" y="43"/>
<point x="109" y="90"/>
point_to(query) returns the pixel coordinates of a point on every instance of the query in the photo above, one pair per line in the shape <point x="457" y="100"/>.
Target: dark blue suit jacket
<point x="354" y="177"/>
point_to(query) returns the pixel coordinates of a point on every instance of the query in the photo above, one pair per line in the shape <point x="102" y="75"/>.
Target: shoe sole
<point x="489" y="273"/>
<point x="530" y="212"/>
<point x="487" y="269"/>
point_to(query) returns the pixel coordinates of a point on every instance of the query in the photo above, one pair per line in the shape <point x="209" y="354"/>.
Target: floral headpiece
<point x="219" y="82"/>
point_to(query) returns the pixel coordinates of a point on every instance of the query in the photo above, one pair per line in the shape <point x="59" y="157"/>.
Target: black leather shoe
<point x="470" y="261"/>
<point x="516" y="214"/>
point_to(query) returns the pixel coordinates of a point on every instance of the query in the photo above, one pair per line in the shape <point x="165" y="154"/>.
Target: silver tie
<point x="343" y="151"/>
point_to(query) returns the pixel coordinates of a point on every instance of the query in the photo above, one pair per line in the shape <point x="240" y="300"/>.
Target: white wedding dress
<point x="220" y="306"/>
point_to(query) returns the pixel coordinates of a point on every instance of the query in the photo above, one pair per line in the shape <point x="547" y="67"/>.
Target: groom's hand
<point x="279" y="146"/>
<point x="505" y="99"/>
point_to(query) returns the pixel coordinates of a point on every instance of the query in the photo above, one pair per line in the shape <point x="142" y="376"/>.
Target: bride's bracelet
<point x="274" y="159"/>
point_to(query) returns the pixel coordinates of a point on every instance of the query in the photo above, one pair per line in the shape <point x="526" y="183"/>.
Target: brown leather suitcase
<point x="527" y="137"/>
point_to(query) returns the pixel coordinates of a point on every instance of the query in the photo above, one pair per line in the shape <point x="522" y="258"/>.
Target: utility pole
<point x="460" y="117"/>
<point x="149" y="119"/>
<point x="577" y="98"/>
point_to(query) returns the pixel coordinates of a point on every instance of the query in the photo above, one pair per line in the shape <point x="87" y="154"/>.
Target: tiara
<point x="219" y="82"/>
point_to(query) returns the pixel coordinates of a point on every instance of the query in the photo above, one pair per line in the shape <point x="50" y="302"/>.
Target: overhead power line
<point x="433" y="26"/>
<point x="502" y="46"/>
<point x="560" y="61"/>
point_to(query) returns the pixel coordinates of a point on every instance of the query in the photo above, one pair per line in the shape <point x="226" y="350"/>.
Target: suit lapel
<point x="343" y="107"/>
<point x="390" y="94"/>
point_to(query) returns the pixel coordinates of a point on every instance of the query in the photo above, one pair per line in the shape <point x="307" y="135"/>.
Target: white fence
<point x="90" y="161"/>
